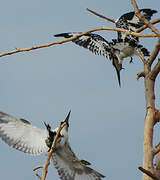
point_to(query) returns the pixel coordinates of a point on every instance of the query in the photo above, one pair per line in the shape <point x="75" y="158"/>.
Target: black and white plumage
<point x="116" y="50"/>
<point x="130" y="21"/>
<point x="120" y="48"/>
<point x="25" y="137"/>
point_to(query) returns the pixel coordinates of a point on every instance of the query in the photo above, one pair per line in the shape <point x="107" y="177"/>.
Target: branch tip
<point x="101" y="16"/>
<point x="140" y="74"/>
<point x="37" y="167"/>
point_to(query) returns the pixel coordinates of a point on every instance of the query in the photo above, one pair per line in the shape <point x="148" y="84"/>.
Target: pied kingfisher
<point x="120" y="48"/>
<point x="22" y="135"/>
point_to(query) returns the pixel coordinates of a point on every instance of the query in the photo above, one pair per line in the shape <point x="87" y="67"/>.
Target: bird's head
<point x="63" y="137"/>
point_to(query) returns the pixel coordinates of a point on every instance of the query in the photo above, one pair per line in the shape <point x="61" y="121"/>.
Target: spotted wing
<point x="94" y="42"/>
<point x="20" y="134"/>
<point x="69" y="167"/>
<point x="130" y="21"/>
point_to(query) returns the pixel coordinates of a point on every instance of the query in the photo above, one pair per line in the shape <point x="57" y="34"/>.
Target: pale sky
<point x="106" y="124"/>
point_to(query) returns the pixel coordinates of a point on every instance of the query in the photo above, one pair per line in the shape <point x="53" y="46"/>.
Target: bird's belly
<point x="125" y="52"/>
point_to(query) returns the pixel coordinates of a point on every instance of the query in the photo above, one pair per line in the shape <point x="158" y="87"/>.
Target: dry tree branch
<point x="150" y="118"/>
<point x="49" y="154"/>
<point x="141" y="17"/>
<point x="17" y="50"/>
<point x="155" y="71"/>
<point x="148" y="173"/>
<point x="141" y="56"/>
<point x="140" y="74"/>
<point x="154" y="53"/>
<point x="38" y="176"/>
<point x="156" y="149"/>
<point x="145" y="26"/>
<point x="101" y="16"/>
<point x="37" y="167"/>
<point x="113" y="21"/>
<point x="157" y="115"/>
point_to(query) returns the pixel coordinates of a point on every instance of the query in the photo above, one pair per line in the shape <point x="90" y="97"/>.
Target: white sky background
<point x="106" y="124"/>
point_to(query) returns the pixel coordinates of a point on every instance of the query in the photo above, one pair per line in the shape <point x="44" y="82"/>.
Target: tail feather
<point x="144" y="50"/>
<point x="148" y="13"/>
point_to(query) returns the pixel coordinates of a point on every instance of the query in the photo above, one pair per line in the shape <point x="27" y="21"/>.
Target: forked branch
<point x="113" y="21"/>
<point x="143" y="19"/>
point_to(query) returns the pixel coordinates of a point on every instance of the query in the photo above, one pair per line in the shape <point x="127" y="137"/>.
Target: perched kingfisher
<point x="118" y="49"/>
<point x="22" y="135"/>
<point x="130" y="21"/>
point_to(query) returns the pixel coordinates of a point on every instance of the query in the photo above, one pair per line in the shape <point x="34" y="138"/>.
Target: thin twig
<point x="101" y="16"/>
<point x="37" y="167"/>
<point x="145" y="26"/>
<point x="141" y="56"/>
<point x="76" y="36"/>
<point x="38" y="176"/>
<point x="140" y="74"/>
<point x="148" y="173"/>
<point x="156" y="149"/>
<point x="49" y="154"/>
<point x="155" y="71"/>
<point x="154" y="53"/>
<point x="113" y="21"/>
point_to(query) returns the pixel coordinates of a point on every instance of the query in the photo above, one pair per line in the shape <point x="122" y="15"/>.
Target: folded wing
<point x="22" y="135"/>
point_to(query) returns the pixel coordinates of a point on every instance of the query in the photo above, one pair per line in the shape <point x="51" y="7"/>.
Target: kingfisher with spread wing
<point x="22" y="135"/>
<point x="120" y="48"/>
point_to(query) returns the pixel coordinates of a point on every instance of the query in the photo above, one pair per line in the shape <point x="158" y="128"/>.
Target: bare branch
<point x="154" y="53"/>
<point x="101" y="16"/>
<point x="143" y="19"/>
<point x="74" y="37"/>
<point x="141" y="56"/>
<point x="148" y="173"/>
<point x="155" y="70"/>
<point x="140" y="74"/>
<point x="37" y="167"/>
<point x="38" y="176"/>
<point x="113" y="21"/>
<point x="156" y="149"/>
<point x="145" y="26"/>
<point x="49" y="154"/>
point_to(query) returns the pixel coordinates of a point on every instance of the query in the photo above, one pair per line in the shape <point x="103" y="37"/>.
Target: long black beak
<point x="47" y="126"/>
<point x="118" y="68"/>
<point x="67" y="118"/>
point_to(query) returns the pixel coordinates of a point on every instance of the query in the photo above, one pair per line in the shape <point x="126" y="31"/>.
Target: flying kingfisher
<point x="117" y="49"/>
<point x="22" y="135"/>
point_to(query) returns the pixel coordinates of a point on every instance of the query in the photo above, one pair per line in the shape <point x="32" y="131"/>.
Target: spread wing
<point x="94" y="42"/>
<point x="130" y="21"/>
<point x="69" y="167"/>
<point x="98" y="45"/>
<point x="20" y="134"/>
